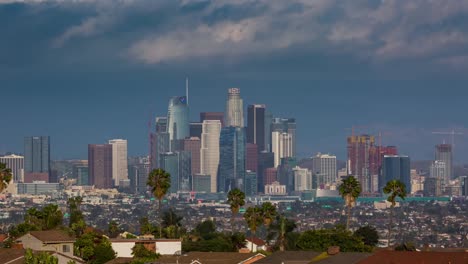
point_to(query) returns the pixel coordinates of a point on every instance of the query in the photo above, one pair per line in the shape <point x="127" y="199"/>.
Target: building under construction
<point x="365" y="160"/>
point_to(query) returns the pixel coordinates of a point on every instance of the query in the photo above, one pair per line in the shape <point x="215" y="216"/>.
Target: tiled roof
<point x="11" y="256"/>
<point x="208" y="258"/>
<point x="401" y="257"/>
<point x="256" y="241"/>
<point x="52" y="236"/>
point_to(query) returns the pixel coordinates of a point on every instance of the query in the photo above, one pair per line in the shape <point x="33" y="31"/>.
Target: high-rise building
<point x="234" y="109"/>
<point x="159" y="142"/>
<point x="265" y="160"/>
<point x="119" y="160"/>
<point x="396" y="168"/>
<point x="16" y="164"/>
<point x="209" y="152"/>
<point x="250" y="186"/>
<point x="444" y="153"/>
<point x="170" y="163"/>
<point x="178" y="124"/>
<point x="464" y="185"/>
<point x="201" y="183"/>
<point x="284" y="125"/>
<point x="438" y="171"/>
<point x="212" y="116"/>
<point x="232" y="159"/>
<point x="185" y="171"/>
<point x="271" y="175"/>
<point x="36" y="159"/>
<point x="196" y="129"/>
<point x="302" y="179"/>
<point x="268" y="121"/>
<point x="193" y="145"/>
<point x="359" y="148"/>
<point x="282" y="146"/>
<point x="82" y="175"/>
<point x="138" y="172"/>
<point x="100" y="165"/>
<point x="256" y="125"/>
<point x="324" y="169"/>
<point x="285" y="172"/>
<point x="251" y="157"/>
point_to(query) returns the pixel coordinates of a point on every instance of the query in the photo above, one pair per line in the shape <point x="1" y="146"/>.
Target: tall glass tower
<point x="444" y="153"/>
<point x="178" y="124"/>
<point x="36" y="158"/>
<point x="396" y="168"/>
<point x="234" y="109"/>
<point x="232" y="159"/>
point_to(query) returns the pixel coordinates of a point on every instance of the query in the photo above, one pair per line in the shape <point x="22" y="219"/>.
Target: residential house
<point x="52" y="241"/>
<point x="258" y="244"/>
<point x="123" y="247"/>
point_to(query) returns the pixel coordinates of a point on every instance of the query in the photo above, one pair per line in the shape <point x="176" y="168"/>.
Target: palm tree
<point x="5" y="176"/>
<point x="268" y="213"/>
<point x="350" y="189"/>
<point x="394" y="189"/>
<point x="160" y="182"/>
<point x="236" y="199"/>
<point x="253" y="217"/>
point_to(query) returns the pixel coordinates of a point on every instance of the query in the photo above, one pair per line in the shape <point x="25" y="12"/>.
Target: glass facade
<point x="36" y="154"/>
<point x="185" y="171"/>
<point x="250" y="183"/>
<point x="231" y="173"/>
<point x="178" y="124"/>
<point x="170" y="163"/>
<point x="396" y="168"/>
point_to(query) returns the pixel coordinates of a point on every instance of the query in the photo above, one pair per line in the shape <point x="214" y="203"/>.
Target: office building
<point x="196" y="129"/>
<point x="178" y="124"/>
<point x="302" y="179"/>
<point x="100" y="166"/>
<point x="193" y="145"/>
<point x="185" y="171"/>
<point x="438" y="171"/>
<point x="324" y="169"/>
<point x="201" y="183"/>
<point x="209" y="152"/>
<point x="265" y="160"/>
<point x="256" y="125"/>
<point x="234" y="109"/>
<point x="268" y="122"/>
<point x="430" y="187"/>
<point x="16" y="164"/>
<point x="36" y="159"/>
<point x="250" y="186"/>
<point x="159" y="142"/>
<point x="464" y="184"/>
<point x="232" y="159"/>
<point x="251" y="157"/>
<point x="212" y="116"/>
<point x="119" y="160"/>
<point x="443" y="153"/>
<point x="284" y="125"/>
<point x="396" y="168"/>
<point x="170" y="163"/>
<point x="81" y="174"/>
<point x="281" y="146"/>
<point x="271" y="175"/>
<point x="285" y="172"/>
<point x="38" y="188"/>
<point x="138" y="172"/>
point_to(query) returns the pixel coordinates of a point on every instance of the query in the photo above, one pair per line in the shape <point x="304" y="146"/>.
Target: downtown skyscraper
<point x="16" y="164"/>
<point x="178" y="124"/>
<point x="119" y="160"/>
<point x="283" y="138"/>
<point x="100" y="166"/>
<point x="234" y="115"/>
<point x="232" y="159"/>
<point x="36" y="159"/>
<point x="256" y="132"/>
<point x="209" y="152"/>
<point x="443" y="152"/>
<point x="159" y="142"/>
<point x="396" y="167"/>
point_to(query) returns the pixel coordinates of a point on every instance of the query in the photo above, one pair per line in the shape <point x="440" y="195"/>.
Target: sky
<point x="85" y="71"/>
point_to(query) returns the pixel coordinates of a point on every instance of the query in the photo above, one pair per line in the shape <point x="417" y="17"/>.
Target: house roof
<point x="256" y="241"/>
<point x="209" y="258"/>
<point x="120" y="261"/>
<point x="402" y="257"/>
<point x="305" y="257"/>
<point x="12" y="256"/>
<point x="52" y="236"/>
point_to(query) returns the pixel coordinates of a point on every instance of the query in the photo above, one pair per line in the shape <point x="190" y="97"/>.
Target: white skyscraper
<point x="209" y="152"/>
<point x="324" y="167"/>
<point x="234" y="109"/>
<point x="438" y="170"/>
<point x="302" y="179"/>
<point x="119" y="160"/>
<point x="281" y="146"/>
<point x="16" y="164"/>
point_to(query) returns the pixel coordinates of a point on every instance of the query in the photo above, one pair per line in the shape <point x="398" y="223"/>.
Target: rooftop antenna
<point x="187" y="90"/>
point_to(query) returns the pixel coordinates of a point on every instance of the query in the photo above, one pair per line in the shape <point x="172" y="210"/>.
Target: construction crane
<point x="453" y="133"/>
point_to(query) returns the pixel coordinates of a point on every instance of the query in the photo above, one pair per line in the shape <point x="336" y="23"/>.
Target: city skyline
<point x="329" y="64"/>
